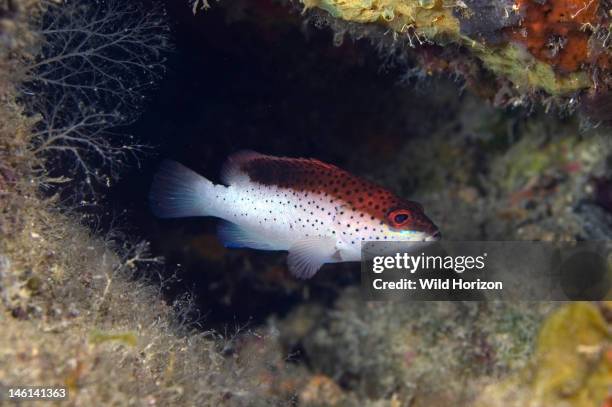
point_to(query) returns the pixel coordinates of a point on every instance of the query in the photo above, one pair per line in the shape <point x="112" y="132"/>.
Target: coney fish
<point x="317" y="211"/>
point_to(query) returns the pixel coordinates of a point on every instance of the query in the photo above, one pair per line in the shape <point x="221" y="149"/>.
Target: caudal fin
<point x="179" y="192"/>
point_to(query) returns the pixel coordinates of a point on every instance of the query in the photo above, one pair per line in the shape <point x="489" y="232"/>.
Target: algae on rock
<point x="501" y="40"/>
<point x="571" y="366"/>
<point x="423" y="353"/>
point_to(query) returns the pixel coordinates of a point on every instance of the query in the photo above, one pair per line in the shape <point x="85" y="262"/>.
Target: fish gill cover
<point x="120" y="308"/>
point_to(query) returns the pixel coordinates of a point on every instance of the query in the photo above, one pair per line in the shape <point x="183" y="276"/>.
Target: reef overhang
<point x="510" y="51"/>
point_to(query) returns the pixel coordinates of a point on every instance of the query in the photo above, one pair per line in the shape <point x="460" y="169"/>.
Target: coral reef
<point x="79" y="307"/>
<point x="418" y="354"/>
<point x="533" y="50"/>
<point x="572" y="363"/>
<point x="554" y="32"/>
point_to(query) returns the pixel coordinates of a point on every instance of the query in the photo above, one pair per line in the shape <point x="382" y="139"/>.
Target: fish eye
<point x="400" y="218"/>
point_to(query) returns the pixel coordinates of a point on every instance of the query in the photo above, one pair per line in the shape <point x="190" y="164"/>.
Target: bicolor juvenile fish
<point x="317" y="211"/>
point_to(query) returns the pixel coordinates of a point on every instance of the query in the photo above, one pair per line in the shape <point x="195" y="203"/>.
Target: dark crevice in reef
<point x="255" y="77"/>
<point x="235" y="82"/>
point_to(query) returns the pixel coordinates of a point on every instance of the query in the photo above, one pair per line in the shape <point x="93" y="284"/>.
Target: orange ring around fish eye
<point x="399" y="217"/>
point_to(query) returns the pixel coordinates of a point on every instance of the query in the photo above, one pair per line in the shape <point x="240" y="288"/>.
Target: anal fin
<point x="234" y="236"/>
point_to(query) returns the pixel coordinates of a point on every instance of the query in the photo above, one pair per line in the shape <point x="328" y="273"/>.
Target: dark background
<point x="256" y="76"/>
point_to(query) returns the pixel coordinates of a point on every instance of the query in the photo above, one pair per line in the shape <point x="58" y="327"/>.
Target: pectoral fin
<point x="308" y="255"/>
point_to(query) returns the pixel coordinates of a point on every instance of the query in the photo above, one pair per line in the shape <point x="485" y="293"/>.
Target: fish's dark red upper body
<point x="303" y="174"/>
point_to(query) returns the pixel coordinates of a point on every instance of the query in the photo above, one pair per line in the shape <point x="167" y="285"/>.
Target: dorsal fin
<point x="232" y="172"/>
<point x="280" y="171"/>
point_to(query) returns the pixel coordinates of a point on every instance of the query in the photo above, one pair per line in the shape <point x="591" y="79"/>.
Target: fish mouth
<point x="436" y="236"/>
